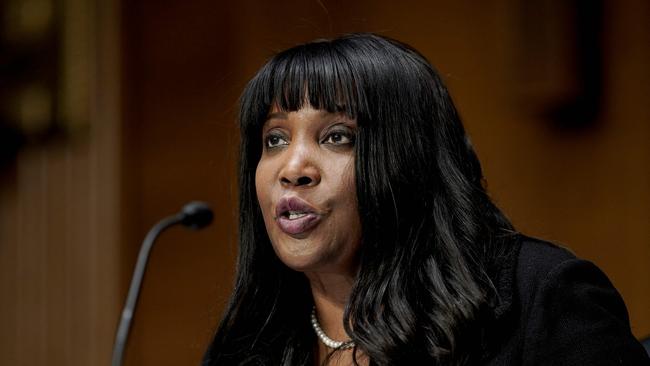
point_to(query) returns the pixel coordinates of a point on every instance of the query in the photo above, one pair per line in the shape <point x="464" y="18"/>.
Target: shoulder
<point x="528" y="267"/>
<point x="538" y="261"/>
<point x="551" y="282"/>
<point x="547" y="273"/>
<point x="569" y="311"/>
<point x="541" y="254"/>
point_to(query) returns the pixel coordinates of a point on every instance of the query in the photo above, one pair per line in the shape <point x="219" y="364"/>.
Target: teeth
<point x="296" y="215"/>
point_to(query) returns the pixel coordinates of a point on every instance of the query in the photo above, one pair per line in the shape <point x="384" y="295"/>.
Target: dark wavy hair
<point x="432" y="238"/>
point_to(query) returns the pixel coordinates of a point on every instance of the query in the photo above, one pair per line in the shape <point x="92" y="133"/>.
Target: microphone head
<point x="196" y="215"/>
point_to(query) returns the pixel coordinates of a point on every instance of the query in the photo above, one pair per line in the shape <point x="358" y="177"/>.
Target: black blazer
<point x="556" y="309"/>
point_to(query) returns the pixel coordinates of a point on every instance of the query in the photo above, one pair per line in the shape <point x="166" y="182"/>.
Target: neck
<point x="331" y="293"/>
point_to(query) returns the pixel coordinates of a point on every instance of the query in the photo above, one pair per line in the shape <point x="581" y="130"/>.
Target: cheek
<point x="346" y="190"/>
<point x="262" y="185"/>
<point x="347" y="183"/>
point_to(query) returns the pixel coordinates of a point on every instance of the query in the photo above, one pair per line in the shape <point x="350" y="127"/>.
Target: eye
<point x="275" y="140"/>
<point x="339" y="138"/>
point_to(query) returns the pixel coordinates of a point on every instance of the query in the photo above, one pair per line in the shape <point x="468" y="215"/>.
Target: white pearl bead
<point x="329" y="342"/>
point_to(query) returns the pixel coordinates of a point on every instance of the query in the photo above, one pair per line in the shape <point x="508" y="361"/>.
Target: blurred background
<point x="113" y="114"/>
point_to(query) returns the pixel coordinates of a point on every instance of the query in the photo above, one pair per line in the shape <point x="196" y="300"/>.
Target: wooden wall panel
<point x="59" y="214"/>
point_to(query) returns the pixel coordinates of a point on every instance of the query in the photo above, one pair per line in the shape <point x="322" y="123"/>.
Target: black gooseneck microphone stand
<point x="195" y="215"/>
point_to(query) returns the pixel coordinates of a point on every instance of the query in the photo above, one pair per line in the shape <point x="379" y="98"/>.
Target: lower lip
<point x="299" y="225"/>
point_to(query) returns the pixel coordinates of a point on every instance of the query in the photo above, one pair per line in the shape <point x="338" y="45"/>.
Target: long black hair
<point x="432" y="238"/>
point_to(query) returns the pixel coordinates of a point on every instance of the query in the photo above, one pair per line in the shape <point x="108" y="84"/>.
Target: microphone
<point x="195" y="215"/>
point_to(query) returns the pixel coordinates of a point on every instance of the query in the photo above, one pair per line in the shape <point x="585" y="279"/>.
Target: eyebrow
<point x="280" y="115"/>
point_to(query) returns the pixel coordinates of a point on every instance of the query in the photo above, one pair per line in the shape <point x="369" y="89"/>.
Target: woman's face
<point x="306" y="190"/>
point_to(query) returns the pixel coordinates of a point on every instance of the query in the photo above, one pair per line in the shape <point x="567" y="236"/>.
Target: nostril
<point x="303" y="181"/>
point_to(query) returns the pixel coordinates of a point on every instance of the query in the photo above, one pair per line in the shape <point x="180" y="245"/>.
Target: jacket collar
<point x="505" y="281"/>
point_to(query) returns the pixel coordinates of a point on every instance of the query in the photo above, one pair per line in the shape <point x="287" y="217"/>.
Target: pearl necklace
<point x="329" y="342"/>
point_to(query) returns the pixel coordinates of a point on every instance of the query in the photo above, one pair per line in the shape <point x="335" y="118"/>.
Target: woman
<point x="367" y="237"/>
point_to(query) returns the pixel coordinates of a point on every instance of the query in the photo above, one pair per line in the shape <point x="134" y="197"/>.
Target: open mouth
<point x="292" y="215"/>
<point x="294" y="223"/>
<point x="296" y="216"/>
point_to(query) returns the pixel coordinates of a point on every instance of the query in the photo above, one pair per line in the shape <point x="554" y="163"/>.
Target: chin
<point x="300" y="255"/>
<point x="295" y="259"/>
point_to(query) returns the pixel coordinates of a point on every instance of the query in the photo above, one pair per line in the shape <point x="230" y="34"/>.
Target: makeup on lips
<point x="296" y="216"/>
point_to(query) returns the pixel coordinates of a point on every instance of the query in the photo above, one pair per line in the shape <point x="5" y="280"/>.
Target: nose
<point x="300" y="169"/>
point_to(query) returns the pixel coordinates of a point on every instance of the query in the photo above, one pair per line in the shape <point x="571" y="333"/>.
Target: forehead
<point x="306" y="112"/>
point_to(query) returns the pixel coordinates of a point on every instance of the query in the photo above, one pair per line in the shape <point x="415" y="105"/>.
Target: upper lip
<point x="293" y="203"/>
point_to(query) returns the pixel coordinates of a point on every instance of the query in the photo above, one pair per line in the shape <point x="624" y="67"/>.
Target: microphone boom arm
<point x="195" y="215"/>
<point x="136" y="283"/>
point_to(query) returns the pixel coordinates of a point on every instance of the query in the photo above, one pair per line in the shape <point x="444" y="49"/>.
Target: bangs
<point x="316" y="74"/>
